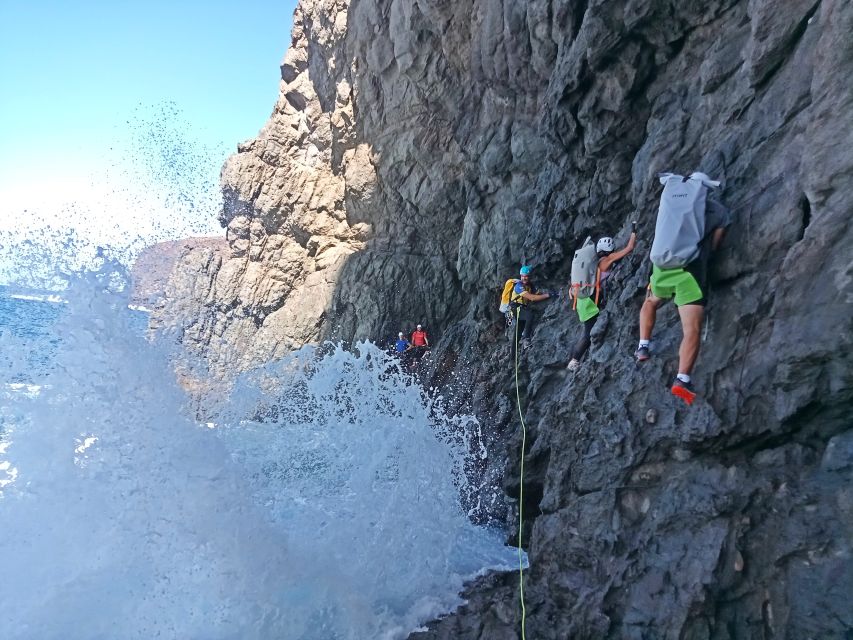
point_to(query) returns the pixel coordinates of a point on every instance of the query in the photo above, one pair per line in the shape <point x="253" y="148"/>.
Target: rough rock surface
<point x="152" y="269"/>
<point x="421" y="149"/>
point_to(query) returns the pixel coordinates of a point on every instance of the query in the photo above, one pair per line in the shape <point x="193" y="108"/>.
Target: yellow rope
<point x="521" y="479"/>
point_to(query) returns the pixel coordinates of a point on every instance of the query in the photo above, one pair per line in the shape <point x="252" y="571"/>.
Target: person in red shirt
<point x="419" y="337"/>
<point x="420" y="344"/>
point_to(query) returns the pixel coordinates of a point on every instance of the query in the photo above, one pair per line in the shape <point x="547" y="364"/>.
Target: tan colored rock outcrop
<point x="153" y="267"/>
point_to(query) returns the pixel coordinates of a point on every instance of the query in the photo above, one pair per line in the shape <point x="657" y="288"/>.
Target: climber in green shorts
<point x="587" y="308"/>
<point x="681" y="231"/>
<point x="686" y="284"/>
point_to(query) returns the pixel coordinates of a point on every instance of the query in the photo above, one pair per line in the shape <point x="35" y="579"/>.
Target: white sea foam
<point x="45" y="297"/>
<point x="22" y="387"/>
<point x="323" y="505"/>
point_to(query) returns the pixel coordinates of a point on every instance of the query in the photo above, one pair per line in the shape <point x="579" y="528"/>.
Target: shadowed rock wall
<point x="420" y="150"/>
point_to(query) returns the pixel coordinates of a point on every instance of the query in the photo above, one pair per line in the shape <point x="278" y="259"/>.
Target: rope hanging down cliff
<point x="520" y="483"/>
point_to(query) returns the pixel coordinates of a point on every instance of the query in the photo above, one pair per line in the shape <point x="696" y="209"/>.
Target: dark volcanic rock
<point x="421" y="149"/>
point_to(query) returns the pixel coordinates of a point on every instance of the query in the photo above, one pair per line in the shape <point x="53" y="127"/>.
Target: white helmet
<point x="400" y="335"/>
<point x="605" y="244"/>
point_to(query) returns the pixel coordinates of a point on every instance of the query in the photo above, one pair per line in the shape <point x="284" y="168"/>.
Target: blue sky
<point x="93" y="92"/>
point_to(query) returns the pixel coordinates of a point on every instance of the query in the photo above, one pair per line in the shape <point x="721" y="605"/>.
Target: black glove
<point x="634" y="226"/>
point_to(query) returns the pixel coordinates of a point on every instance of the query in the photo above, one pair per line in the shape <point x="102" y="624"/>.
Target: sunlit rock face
<point x="153" y="267"/>
<point x="420" y="150"/>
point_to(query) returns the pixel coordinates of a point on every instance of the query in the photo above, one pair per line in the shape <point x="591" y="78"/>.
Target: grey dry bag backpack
<point x="585" y="272"/>
<point x="680" y="226"/>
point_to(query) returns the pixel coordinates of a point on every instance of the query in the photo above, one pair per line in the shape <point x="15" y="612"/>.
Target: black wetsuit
<point x="522" y="312"/>
<point x="585" y="340"/>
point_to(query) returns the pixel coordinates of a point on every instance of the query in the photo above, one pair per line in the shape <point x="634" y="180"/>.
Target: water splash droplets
<point x="324" y="502"/>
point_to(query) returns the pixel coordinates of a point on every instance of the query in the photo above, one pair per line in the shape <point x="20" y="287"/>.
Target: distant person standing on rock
<point x="588" y="308"/>
<point x="691" y="224"/>
<point x="420" y="343"/>
<point x="402" y="346"/>
<point x="419" y="337"/>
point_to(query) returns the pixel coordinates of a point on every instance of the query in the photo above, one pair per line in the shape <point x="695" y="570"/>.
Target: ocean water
<point x="30" y="318"/>
<point x="321" y="501"/>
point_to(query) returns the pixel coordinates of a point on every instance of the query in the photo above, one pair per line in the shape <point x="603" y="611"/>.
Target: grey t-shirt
<point x="717" y="216"/>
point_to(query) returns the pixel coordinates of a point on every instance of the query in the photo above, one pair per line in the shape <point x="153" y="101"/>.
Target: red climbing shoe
<point x="683" y="390"/>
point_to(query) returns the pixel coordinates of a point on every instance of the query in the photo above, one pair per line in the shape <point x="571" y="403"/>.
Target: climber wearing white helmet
<point x="589" y="308"/>
<point x="604" y="246"/>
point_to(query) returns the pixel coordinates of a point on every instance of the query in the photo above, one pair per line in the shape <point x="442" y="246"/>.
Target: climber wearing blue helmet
<point x="523" y="293"/>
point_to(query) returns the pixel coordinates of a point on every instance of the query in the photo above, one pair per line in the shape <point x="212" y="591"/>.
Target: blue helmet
<point x="525" y="270"/>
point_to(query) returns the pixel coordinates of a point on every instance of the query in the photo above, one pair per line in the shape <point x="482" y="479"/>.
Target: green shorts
<point x="680" y="282"/>
<point x="586" y="309"/>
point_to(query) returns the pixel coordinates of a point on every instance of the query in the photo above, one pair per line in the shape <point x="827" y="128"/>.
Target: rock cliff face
<point x="420" y="150"/>
<point x="153" y="268"/>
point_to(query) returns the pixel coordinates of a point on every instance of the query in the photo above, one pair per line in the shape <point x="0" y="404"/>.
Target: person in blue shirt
<point x="402" y="345"/>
